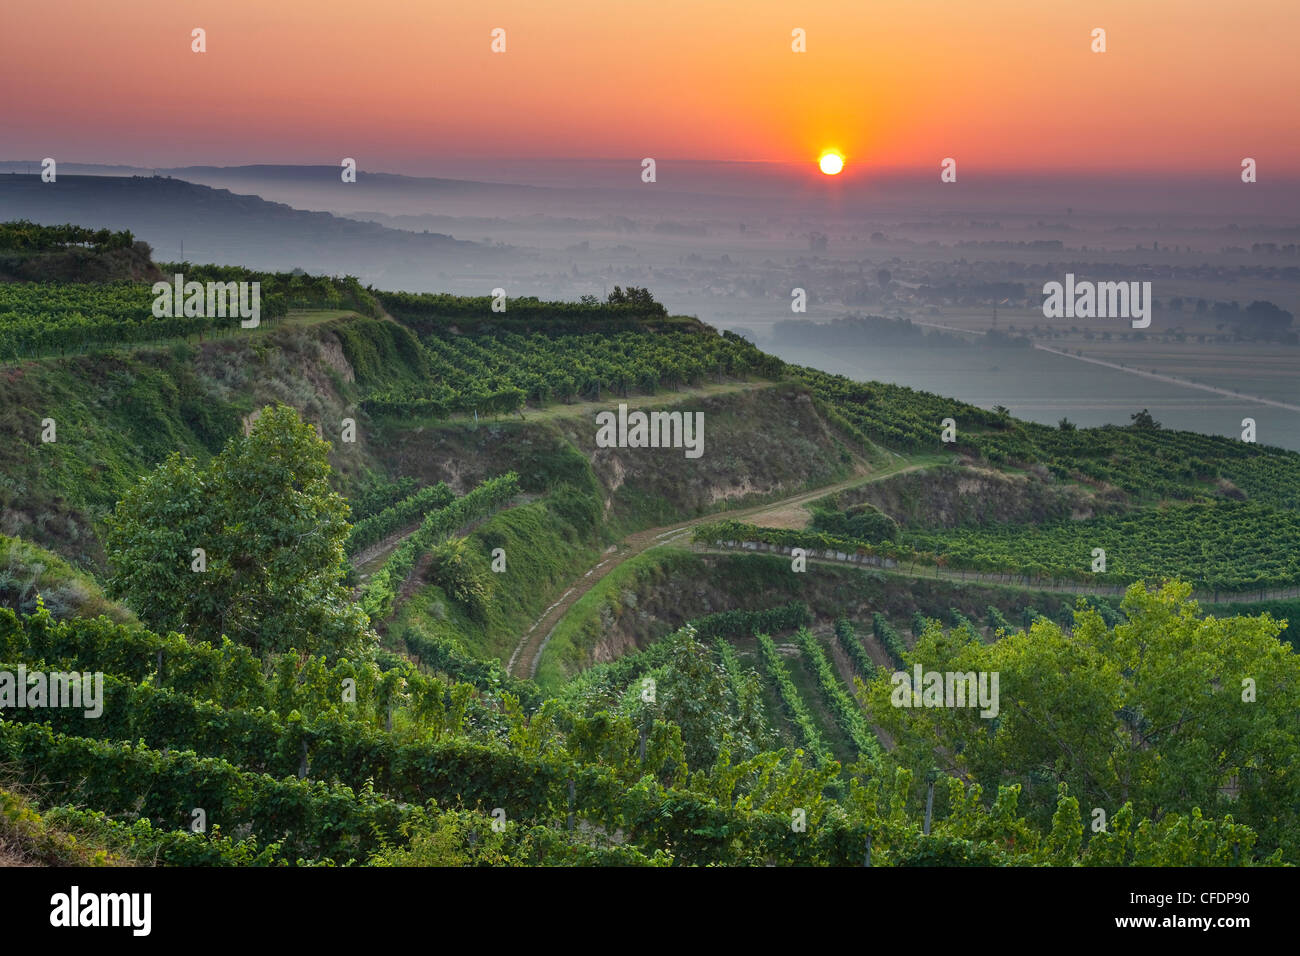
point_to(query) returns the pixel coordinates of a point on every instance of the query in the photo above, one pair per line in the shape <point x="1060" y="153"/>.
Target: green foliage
<point x="747" y="691"/>
<point x="273" y="533"/>
<point x="437" y="313"/>
<point x="228" y="675"/>
<point x="146" y="844"/>
<point x="733" y="812"/>
<point x="863" y="522"/>
<point x="1168" y="711"/>
<point x="889" y="638"/>
<point x="743" y="623"/>
<point x="471" y="838"/>
<point x="374" y="528"/>
<point x="380" y="352"/>
<point x="1229" y="546"/>
<point x="997" y="620"/>
<point x="847" y="714"/>
<point x="692" y="691"/>
<point x="39" y="318"/>
<point x="25" y="236"/>
<point x="962" y="621"/>
<point x="488" y="676"/>
<point x="29" y="574"/>
<point x="498" y="374"/>
<point x="379" y="597"/>
<point x="316" y="819"/>
<point x="848" y="640"/>
<point x="791" y="699"/>
<point x="375" y="492"/>
<point x="462" y="574"/>
<point x="1138" y="715"/>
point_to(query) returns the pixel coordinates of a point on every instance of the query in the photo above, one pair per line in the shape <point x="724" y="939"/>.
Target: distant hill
<point x="219" y="226"/>
<point x="317" y="176"/>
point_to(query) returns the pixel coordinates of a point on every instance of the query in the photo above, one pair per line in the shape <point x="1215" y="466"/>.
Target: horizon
<point x="889" y="88"/>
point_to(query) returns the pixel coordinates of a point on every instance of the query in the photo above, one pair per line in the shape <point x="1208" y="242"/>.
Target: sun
<point x="831" y="163"/>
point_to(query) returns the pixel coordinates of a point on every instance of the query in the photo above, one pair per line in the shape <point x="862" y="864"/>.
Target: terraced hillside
<point x="366" y="584"/>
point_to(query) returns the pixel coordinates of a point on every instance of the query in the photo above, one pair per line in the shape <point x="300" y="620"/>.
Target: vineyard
<point x="23" y="236"/>
<point x="1217" y="548"/>
<point x="1147" y="463"/>
<point x="61" y="319"/>
<point x="308" y="772"/>
<point x="1231" y="546"/>
<point x="380" y="593"/>
<point x="498" y="374"/>
<point x="755" y="734"/>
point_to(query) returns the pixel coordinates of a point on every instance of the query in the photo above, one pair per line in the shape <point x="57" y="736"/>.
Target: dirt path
<point x="523" y="662"/>
<point x="528" y="653"/>
<point x="381" y="549"/>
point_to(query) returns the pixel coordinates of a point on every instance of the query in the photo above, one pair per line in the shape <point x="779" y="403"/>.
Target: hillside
<point x="217" y="225"/>
<point x="381" y="573"/>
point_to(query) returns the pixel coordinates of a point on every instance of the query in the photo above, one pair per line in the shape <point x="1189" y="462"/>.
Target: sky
<point x="1185" y="86"/>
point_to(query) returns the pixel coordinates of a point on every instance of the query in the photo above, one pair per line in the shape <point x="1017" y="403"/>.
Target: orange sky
<point x="1000" y="84"/>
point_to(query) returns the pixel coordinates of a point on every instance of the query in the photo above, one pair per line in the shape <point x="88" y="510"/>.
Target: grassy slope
<point x="28" y="571"/>
<point x="543" y="552"/>
<point x="119" y="413"/>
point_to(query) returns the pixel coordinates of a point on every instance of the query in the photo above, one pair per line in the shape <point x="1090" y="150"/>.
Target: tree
<point x="1264" y="320"/>
<point x="1167" y="712"/>
<point x="271" y="532"/>
<point x="636" y="296"/>
<point x="1143" y="419"/>
<point x="692" y="693"/>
